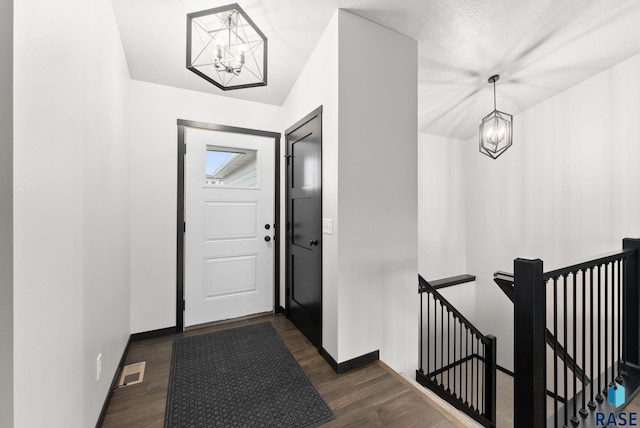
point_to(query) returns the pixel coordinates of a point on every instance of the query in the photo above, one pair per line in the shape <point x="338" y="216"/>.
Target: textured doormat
<point x="244" y="377"/>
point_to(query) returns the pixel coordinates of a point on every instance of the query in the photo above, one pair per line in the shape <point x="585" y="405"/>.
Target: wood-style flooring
<point x="370" y="396"/>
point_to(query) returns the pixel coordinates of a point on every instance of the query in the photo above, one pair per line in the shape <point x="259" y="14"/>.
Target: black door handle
<point x="267" y="238"/>
<point x="314" y="242"/>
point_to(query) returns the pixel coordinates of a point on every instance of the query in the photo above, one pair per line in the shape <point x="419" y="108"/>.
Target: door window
<point x="227" y="167"/>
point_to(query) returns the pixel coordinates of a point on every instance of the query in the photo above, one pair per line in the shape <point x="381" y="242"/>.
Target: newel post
<point x="631" y="320"/>
<point x="490" y="387"/>
<point x="529" y="344"/>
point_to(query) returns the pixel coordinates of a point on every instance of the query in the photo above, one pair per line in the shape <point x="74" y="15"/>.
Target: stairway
<point x="457" y="361"/>
<point x="575" y="337"/>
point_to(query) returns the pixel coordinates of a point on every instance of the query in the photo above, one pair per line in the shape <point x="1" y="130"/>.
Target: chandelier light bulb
<point x="218" y="49"/>
<point x="496" y="132"/>
<point x="240" y="56"/>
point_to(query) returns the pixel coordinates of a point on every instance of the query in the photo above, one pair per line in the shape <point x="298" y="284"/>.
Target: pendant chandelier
<point x="226" y="48"/>
<point x="496" y="129"/>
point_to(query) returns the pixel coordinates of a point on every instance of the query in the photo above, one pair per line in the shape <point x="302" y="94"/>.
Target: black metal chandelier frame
<point x="498" y="144"/>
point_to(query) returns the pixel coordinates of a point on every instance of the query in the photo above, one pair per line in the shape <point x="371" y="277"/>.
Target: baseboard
<point x="153" y="333"/>
<point x="114" y="383"/>
<point x="350" y="364"/>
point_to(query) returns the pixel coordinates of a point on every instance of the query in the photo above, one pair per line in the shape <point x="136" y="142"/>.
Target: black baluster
<point x="566" y="351"/>
<point x="460" y="377"/>
<point x="555" y="352"/>
<point x="484" y="379"/>
<point x="478" y="403"/>
<point x="473" y="378"/>
<point x="592" y="403"/>
<point x="599" y="395"/>
<point x="428" y="333"/>
<point x="619" y="324"/>
<point x="583" y="411"/>
<point x="420" y="338"/>
<point x="455" y="338"/>
<point x="441" y="344"/>
<point x="574" y="418"/>
<point x="623" y="316"/>
<point x="614" y="336"/>
<point x="435" y="341"/>
<point x="466" y="369"/>
<point x="448" y="350"/>
<point x="606" y="327"/>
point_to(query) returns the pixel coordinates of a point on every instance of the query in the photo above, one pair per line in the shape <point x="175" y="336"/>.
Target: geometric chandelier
<point x="226" y="48"/>
<point x="496" y="129"/>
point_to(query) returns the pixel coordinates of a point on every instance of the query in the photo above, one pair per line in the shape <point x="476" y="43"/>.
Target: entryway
<point x="227" y="223"/>
<point x="387" y="400"/>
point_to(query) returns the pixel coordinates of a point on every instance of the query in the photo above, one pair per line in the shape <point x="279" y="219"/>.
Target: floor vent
<point x="132" y="374"/>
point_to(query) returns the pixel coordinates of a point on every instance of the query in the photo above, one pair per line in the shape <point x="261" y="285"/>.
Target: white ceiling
<point x="539" y="47"/>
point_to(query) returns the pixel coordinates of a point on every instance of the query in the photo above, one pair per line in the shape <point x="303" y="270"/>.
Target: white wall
<point x="442" y="249"/>
<point x="369" y="181"/>
<point x="463" y="298"/>
<point x="442" y="214"/>
<point x="6" y="213"/>
<point x="377" y="199"/>
<point x="567" y="189"/>
<point x="318" y="86"/>
<point x="152" y="122"/>
<point x="71" y="227"/>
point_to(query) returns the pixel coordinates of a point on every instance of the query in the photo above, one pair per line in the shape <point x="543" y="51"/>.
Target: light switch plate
<point x="327" y="226"/>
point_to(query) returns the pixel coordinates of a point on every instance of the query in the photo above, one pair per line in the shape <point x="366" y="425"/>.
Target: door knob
<point x="267" y="226"/>
<point x="267" y="238"/>
<point x="314" y="242"/>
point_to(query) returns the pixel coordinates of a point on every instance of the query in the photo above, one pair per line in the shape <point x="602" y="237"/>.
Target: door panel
<point x="304" y="226"/>
<point x="228" y="221"/>
<point x="301" y="218"/>
<point x="303" y="296"/>
<point x="228" y="276"/>
<point x="229" y="197"/>
<point x="304" y="172"/>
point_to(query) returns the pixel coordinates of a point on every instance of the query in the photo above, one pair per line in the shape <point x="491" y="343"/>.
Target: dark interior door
<point x="304" y="226"/>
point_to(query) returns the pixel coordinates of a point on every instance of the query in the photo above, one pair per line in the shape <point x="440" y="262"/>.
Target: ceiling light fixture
<point x="226" y="48"/>
<point x="496" y="129"/>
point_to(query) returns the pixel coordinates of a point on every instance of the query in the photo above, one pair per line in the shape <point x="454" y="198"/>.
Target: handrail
<point x="451" y="281"/>
<point x="596" y="299"/>
<point x="507" y="277"/>
<point x="599" y="260"/>
<point x="424" y="285"/>
<point x="456" y="349"/>
<point x="505" y="282"/>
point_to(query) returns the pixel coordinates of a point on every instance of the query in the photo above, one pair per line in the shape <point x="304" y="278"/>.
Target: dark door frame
<point x="288" y="280"/>
<point x="180" y="224"/>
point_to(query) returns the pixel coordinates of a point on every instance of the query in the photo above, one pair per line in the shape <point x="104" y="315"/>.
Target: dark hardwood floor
<point x="370" y="396"/>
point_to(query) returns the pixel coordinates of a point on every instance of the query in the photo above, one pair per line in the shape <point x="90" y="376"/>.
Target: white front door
<point x="229" y="216"/>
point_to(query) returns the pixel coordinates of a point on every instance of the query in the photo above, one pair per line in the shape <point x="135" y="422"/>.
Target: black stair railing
<point x="505" y="282"/>
<point x="457" y="361"/>
<point x="591" y="327"/>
